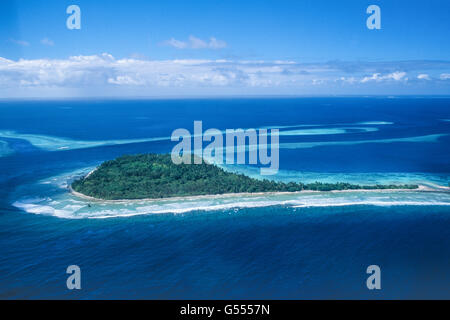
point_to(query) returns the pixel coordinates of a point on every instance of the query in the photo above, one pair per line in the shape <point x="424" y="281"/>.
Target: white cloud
<point x="175" y="43"/>
<point x="423" y="76"/>
<point x="350" y="80"/>
<point x="374" y="77"/>
<point x="397" y="76"/>
<point x="104" y="69"/>
<point x="47" y="42"/>
<point x="216" y="44"/>
<point x="125" y="80"/>
<point x="104" y="74"/>
<point x="20" y="42"/>
<point x="196" y="43"/>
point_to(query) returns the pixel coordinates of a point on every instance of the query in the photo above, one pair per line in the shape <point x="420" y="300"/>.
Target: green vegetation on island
<point x="156" y="176"/>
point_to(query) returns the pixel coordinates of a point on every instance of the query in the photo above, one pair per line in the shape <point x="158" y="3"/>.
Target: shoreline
<point x="421" y="188"/>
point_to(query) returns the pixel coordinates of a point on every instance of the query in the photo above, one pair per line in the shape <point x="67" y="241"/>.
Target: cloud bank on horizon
<point x="174" y="48"/>
<point x="195" y="43"/>
<point x="103" y="75"/>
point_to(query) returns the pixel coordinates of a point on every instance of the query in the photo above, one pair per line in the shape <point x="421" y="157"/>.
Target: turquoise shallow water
<point x="314" y="245"/>
<point x="50" y="197"/>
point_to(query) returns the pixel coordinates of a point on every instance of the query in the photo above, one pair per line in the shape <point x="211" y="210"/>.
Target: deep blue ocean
<point x="276" y="247"/>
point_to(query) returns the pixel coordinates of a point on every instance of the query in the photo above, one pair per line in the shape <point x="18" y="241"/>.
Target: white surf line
<point x="72" y="212"/>
<point x="421" y="188"/>
<point x="373" y="203"/>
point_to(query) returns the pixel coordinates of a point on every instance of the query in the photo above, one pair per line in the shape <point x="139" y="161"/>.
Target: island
<point x="155" y="176"/>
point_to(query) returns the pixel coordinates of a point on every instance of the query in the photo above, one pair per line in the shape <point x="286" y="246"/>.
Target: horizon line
<point x="208" y="97"/>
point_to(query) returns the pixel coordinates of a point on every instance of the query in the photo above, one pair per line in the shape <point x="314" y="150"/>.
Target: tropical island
<point x="155" y="176"/>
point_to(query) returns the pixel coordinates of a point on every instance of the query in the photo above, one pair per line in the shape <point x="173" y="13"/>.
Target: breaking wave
<point x="70" y="208"/>
<point x="50" y="197"/>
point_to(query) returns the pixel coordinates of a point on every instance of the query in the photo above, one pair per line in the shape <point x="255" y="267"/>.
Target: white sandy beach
<point x="421" y="188"/>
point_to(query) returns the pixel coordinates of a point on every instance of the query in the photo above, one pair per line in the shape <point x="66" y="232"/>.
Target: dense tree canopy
<point x="156" y="176"/>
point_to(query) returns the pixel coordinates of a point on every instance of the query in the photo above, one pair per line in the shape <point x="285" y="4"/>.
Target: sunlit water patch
<point x="375" y="123"/>
<point x="326" y="131"/>
<point x="362" y="123"/>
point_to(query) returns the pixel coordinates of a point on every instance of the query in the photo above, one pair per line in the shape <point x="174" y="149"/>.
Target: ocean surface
<point x="303" y="246"/>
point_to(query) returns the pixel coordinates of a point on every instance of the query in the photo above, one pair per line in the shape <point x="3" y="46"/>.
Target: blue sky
<point x="171" y="48"/>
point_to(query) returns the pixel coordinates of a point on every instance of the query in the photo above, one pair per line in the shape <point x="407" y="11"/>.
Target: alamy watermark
<point x="233" y="150"/>
<point x="374" y="280"/>
<point x="74" y="280"/>
<point x="374" y="20"/>
<point x="74" y="20"/>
